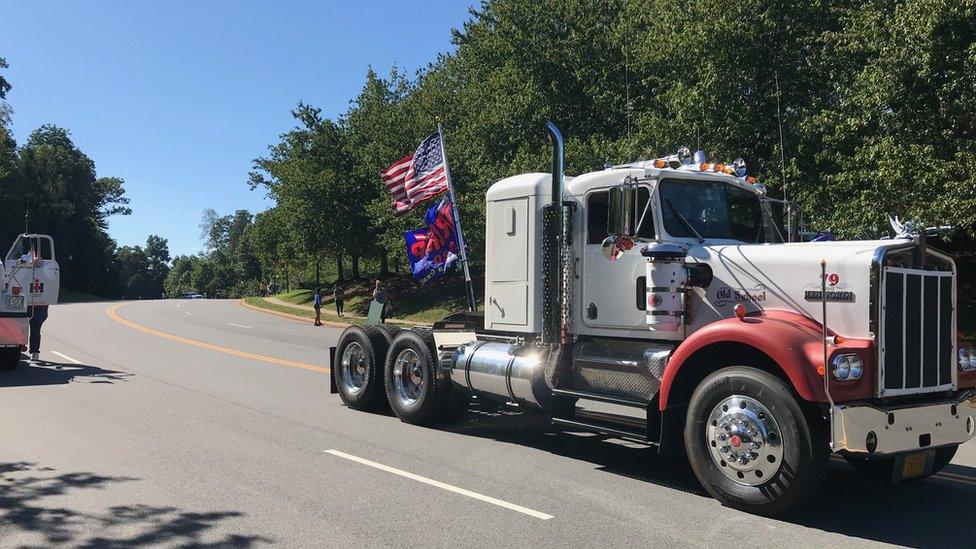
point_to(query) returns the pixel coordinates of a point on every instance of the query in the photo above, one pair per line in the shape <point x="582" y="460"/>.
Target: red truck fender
<point x="792" y="342"/>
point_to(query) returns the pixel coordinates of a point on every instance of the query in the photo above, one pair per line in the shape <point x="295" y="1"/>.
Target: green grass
<point x="408" y="301"/>
<point x="261" y="303"/>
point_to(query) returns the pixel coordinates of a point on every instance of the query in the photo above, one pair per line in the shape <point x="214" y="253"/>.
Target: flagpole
<point x="468" y="286"/>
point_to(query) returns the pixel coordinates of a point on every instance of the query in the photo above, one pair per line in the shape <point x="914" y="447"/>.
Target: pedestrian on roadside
<point x="381" y="296"/>
<point x="340" y="296"/>
<point x="317" y="305"/>
<point x="38" y="314"/>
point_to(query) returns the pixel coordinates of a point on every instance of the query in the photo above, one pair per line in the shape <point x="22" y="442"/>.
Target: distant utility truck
<point x="663" y="288"/>
<point x="30" y="277"/>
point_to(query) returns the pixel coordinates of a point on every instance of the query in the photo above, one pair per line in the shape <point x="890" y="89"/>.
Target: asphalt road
<point x="201" y="423"/>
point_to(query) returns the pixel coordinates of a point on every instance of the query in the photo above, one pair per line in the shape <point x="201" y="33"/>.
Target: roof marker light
<point x="718" y="167"/>
<point x="704" y="167"/>
<point x="660" y="163"/>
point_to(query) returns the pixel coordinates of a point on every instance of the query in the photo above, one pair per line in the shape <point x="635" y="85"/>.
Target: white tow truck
<point x="31" y="277"/>
<point x="657" y="301"/>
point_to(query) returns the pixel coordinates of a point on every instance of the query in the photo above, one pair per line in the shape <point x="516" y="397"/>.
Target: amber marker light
<point x="739" y="310"/>
<point x="718" y="167"/>
<point x="15" y="290"/>
<point x="660" y="163"/>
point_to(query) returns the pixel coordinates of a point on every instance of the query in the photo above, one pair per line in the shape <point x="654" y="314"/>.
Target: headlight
<point x="15" y="302"/>
<point x="847" y="367"/>
<point x="967" y="359"/>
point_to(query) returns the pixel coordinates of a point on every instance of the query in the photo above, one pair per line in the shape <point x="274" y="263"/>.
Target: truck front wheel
<point x="751" y="444"/>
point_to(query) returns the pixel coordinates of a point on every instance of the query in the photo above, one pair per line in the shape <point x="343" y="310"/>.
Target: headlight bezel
<point x="847" y="367"/>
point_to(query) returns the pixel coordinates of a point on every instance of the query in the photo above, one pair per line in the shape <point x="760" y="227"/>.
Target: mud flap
<point x="332" y="380"/>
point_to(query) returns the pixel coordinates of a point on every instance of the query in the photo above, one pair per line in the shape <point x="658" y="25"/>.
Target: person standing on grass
<point x="382" y="297"/>
<point x="317" y="305"/>
<point x="339" y="295"/>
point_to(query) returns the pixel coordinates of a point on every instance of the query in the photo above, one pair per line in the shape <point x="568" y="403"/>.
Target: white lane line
<point x="66" y="357"/>
<point x="441" y="485"/>
<point x="188" y="313"/>
<point x="240" y="326"/>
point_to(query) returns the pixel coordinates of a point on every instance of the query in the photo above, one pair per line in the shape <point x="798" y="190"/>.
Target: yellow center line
<point x="204" y="345"/>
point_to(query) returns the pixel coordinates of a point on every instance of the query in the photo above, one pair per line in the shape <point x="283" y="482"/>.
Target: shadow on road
<point x="928" y="512"/>
<point x="31" y="507"/>
<point x="55" y="373"/>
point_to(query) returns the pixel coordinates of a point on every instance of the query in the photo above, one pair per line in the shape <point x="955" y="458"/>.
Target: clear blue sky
<point x="177" y="97"/>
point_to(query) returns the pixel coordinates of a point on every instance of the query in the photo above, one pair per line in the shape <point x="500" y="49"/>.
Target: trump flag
<point x="433" y="249"/>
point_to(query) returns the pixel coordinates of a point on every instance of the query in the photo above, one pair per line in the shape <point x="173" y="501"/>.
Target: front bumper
<point x="902" y="429"/>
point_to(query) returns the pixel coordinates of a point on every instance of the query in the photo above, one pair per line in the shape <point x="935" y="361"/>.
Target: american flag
<point x="418" y="176"/>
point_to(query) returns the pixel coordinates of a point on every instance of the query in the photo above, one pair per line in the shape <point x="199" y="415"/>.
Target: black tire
<point x="883" y="468"/>
<point x="421" y="398"/>
<point x="9" y="359"/>
<point x="802" y="461"/>
<point x="358" y="376"/>
<point x="389" y="331"/>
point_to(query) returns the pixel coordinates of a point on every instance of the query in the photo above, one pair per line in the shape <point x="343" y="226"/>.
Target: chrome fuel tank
<point x="502" y="371"/>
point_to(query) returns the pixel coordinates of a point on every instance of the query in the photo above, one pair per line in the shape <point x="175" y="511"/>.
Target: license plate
<point x="914" y="465"/>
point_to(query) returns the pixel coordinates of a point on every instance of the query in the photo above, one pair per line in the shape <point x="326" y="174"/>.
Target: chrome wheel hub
<point x="408" y="377"/>
<point x="354" y="370"/>
<point x="744" y="440"/>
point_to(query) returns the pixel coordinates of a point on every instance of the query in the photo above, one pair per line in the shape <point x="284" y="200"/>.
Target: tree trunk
<point x="355" y="267"/>
<point x="384" y="262"/>
<point x="287" y="281"/>
<point x="339" y="269"/>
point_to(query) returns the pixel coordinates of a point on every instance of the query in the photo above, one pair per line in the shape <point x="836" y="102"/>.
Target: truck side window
<point x="597" y="209"/>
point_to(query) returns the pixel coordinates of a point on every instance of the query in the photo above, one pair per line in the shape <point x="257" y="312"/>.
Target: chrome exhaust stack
<point x="553" y="226"/>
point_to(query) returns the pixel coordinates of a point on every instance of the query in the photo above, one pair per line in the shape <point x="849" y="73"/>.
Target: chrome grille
<point x="917" y="327"/>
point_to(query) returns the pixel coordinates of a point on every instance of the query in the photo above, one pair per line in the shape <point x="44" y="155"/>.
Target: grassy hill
<point x="408" y="301"/>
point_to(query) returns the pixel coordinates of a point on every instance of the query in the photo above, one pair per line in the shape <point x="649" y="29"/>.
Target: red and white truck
<point x="658" y="301"/>
<point x="30" y="278"/>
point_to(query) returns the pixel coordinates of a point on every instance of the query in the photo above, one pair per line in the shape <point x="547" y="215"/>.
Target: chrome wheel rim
<point x="355" y="374"/>
<point x="744" y="440"/>
<point x="408" y="377"/>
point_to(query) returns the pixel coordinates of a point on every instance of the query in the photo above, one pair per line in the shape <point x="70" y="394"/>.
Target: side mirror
<point x="622" y="214"/>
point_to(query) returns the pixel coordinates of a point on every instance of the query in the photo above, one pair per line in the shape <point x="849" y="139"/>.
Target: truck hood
<point x="787" y="277"/>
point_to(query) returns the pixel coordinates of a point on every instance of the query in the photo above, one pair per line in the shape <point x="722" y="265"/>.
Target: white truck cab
<point x="663" y="288"/>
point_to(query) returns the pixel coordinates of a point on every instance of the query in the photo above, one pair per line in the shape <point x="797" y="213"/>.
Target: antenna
<point x="782" y="162"/>
<point x="627" y="88"/>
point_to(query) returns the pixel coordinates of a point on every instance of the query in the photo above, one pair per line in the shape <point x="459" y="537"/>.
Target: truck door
<point x="32" y="265"/>
<point x="614" y="292"/>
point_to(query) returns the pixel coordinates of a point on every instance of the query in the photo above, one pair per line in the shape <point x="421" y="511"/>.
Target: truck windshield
<point x="715" y="210"/>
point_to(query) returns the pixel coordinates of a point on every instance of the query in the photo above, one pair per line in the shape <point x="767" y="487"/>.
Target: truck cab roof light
<point x="718" y="167"/>
<point x="660" y="163"/>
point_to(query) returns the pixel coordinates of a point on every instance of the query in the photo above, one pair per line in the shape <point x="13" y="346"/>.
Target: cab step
<point x="601" y="398"/>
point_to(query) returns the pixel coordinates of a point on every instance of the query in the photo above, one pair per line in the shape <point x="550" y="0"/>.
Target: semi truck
<point x="31" y="277"/>
<point x="659" y="301"/>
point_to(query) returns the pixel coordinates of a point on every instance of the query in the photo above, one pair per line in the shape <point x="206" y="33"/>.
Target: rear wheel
<point x="358" y="366"/>
<point x="415" y="394"/>
<point x="751" y="444"/>
<point x="884" y="467"/>
<point x="9" y="358"/>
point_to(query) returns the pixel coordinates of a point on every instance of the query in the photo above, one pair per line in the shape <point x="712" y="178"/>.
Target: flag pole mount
<point x="468" y="286"/>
